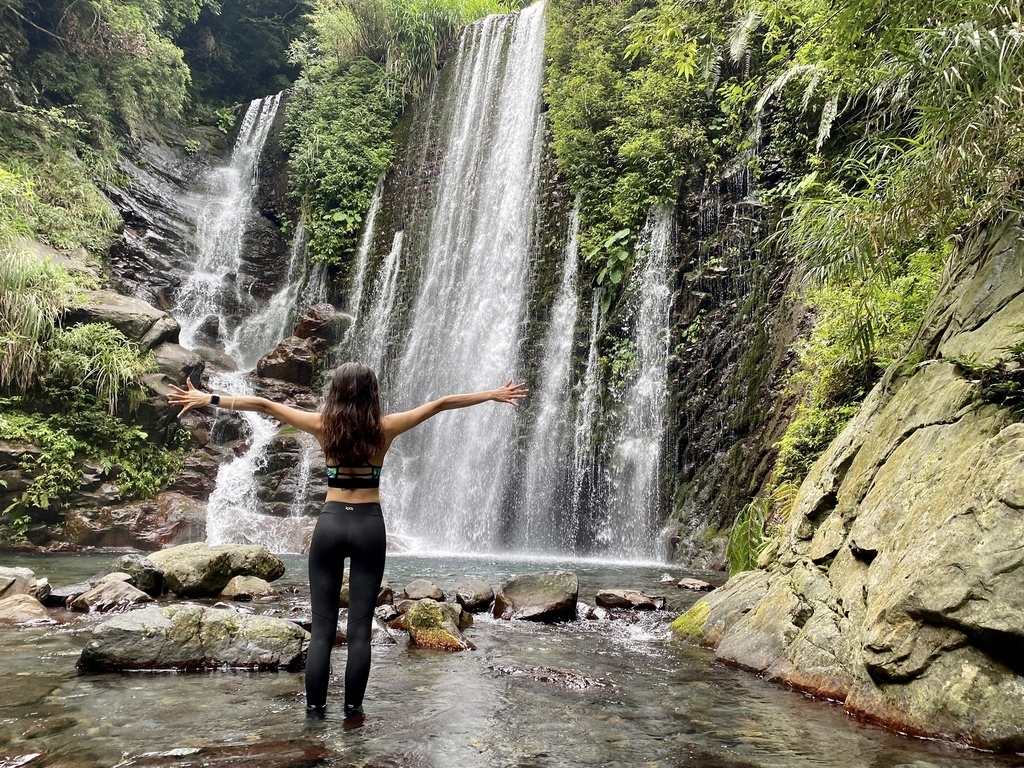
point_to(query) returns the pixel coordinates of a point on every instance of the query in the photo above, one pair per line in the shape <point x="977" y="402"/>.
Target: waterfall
<point x="379" y="319"/>
<point x="355" y="298"/>
<point x="584" y="458"/>
<point x="213" y="287"/>
<point x="633" y="500"/>
<point x="546" y="457"/>
<point x="216" y="287"/>
<point x="449" y="481"/>
<point x="260" y="332"/>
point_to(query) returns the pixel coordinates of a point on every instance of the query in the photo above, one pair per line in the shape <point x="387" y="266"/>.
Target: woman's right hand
<point x="510" y="393"/>
<point x="188" y="398"/>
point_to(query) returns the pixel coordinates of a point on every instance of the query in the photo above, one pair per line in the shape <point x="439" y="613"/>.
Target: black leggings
<point x="344" y="530"/>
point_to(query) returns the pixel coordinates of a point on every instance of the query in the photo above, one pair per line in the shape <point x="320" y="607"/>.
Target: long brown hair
<point x="353" y="422"/>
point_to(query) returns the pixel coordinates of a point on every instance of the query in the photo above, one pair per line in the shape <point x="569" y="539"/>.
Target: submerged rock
<point x="430" y="625"/>
<point x="265" y="754"/>
<point x="695" y="584"/>
<point x="474" y="595"/>
<point x="629" y="598"/>
<point x="192" y="637"/>
<point x="549" y="596"/>
<point x="193" y="570"/>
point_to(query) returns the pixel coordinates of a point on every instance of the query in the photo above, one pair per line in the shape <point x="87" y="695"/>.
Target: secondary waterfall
<point x="541" y="528"/>
<point x="449" y="481"/>
<point x="633" y="493"/>
<point x="214" y="287"/>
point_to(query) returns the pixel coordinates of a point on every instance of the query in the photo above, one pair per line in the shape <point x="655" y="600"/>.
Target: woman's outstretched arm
<point x="397" y="423"/>
<point x="194" y="398"/>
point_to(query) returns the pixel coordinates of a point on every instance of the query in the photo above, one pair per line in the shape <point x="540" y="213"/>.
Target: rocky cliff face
<point x="898" y="585"/>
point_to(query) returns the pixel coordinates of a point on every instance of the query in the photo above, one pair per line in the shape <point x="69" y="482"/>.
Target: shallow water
<point x="629" y="694"/>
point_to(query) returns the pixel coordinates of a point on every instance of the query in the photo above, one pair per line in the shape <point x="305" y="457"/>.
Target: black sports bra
<point x="352" y="478"/>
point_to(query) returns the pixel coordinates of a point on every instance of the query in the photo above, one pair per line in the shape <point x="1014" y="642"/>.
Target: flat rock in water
<point x="548" y="596"/>
<point x="196" y="570"/>
<point x="629" y="598"/>
<point x="110" y="595"/>
<point x="421" y="588"/>
<point x="23" y="609"/>
<point x="474" y="595"/>
<point x="695" y="584"/>
<point x="431" y="626"/>
<point x="193" y="637"/>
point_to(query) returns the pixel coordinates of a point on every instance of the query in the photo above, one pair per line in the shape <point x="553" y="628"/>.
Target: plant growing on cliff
<point x="747" y="537"/>
<point x="33" y="293"/>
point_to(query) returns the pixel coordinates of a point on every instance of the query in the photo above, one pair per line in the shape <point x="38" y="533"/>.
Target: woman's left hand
<point x="511" y="393"/>
<point x="188" y="398"/>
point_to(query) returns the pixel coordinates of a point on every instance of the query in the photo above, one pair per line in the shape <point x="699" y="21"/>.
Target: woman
<point x="355" y="436"/>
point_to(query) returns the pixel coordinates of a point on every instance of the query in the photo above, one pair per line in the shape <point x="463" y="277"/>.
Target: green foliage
<point x="628" y="129"/>
<point x="1000" y="381"/>
<point x="747" y="537"/>
<point x="361" y="60"/>
<point x="104" y="60"/>
<point x="33" y="292"/>
<point x="96" y="359"/>
<point x="82" y="433"/>
<point x="339" y="138"/>
<point x="237" y="50"/>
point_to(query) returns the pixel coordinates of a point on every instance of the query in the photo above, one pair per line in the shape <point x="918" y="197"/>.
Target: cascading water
<point x="633" y="500"/>
<point x="448" y="481"/>
<point x="540" y="528"/>
<point x="584" y="458"/>
<point x="379" y="320"/>
<point x="213" y="287"/>
<point x="260" y="332"/>
<point x="363" y="255"/>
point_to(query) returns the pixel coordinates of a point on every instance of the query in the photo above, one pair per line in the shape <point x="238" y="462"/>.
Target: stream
<point x="587" y="693"/>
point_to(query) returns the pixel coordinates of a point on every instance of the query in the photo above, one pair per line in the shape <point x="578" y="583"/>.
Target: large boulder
<point x="431" y="626"/>
<point x="178" y="363"/>
<point x="549" y="596"/>
<point x="194" y="570"/>
<point x="138" y="321"/>
<point x="898" y="585"/>
<point x="22" y="609"/>
<point x="293" y="360"/>
<point x="168" y="520"/>
<point x="192" y="637"/>
<point x="474" y="595"/>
